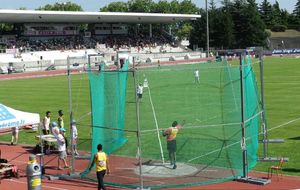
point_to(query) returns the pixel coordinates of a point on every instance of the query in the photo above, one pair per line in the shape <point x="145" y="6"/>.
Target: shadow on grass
<point x="291" y="170"/>
<point x="130" y="102"/>
<point x="295" y="138"/>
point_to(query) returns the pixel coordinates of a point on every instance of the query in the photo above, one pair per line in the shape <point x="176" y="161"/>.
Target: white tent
<point x="10" y="118"/>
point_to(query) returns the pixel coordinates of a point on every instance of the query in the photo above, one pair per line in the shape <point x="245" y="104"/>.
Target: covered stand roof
<point x="30" y="16"/>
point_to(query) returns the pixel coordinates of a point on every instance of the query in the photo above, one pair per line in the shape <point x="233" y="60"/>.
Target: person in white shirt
<point x="197" y="76"/>
<point x="46" y="123"/>
<point x="75" y="137"/>
<point x="145" y="85"/>
<point x="139" y="91"/>
<point x="15" y="135"/>
<point x="62" y="154"/>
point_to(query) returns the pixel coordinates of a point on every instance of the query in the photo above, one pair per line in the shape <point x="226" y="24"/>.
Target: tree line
<point x="233" y="24"/>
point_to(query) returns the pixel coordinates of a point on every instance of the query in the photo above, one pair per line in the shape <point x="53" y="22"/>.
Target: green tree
<point x="220" y="27"/>
<point x="187" y="7"/>
<point x="226" y="4"/>
<point x="175" y="6"/>
<point x="163" y="6"/>
<point x="68" y="6"/>
<point x="213" y="17"/>
<point x="276" y="13"/>
<point x="6" y="27"/>
<point x="284" y="15"/>
<point x="238" y="20"/>
<point x="249" y="27"/>
<point x="296" y="11"/>
<point x="224" y="30"/>
<point x="296" y="15"/>
<point x="212" y="5"/>
<point x="185" y="30"/>
<point x="198" y="33"/>
<point x="117" y="6"/>
<point x="142" y="6"/>
<point x="266" y="13"/>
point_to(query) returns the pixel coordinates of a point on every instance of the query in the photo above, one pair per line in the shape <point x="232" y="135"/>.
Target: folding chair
<point x="277" y="168"/>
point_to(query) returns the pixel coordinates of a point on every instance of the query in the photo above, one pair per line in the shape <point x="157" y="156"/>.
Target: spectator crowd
<point x="115" y="42"/>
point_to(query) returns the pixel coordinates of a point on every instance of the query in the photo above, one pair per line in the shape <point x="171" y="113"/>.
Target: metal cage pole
<point x="41" y="139"/>
<point x="244" y="146"/>
<point x="138" y="127"/>
<point x="71" y="115"/>
<point x="262" y="94"/>
<point x="245" y="178"/>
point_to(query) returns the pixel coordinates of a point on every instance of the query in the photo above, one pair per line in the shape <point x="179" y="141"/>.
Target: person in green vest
<point x="60" y="119"/>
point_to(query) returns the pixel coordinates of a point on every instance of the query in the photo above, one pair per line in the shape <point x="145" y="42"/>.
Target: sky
<point x="94" y="5"/>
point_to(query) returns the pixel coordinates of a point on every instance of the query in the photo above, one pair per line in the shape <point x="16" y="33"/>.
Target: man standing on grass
<point x="15" y="135"/>
<point x="101" y="166"/>
<point x="171" y="134"/>
<point x="197" y="76"/>
<point x="139" y="91"/>
<point x="60" y="119"/>
<point x="46" y="123"/>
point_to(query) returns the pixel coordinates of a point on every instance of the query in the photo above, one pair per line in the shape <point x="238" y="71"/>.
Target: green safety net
<point x="108" y="94"/>
<point x="209" y="144"/>
<point x="252" y="112"/>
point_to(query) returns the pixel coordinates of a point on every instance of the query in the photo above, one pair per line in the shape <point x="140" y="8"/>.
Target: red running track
<point x="19" y="154"/>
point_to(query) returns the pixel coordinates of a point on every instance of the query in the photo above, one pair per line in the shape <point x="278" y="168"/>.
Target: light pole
<point x="207" y="29"/>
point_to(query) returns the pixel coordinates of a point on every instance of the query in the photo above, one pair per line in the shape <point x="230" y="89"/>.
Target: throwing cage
<point x="218" y="142"/>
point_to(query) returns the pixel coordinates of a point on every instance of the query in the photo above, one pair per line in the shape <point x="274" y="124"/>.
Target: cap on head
<point x="62" y="130"/>
<point x="53" y="124"/>
<point x="73" y="121"/>
<point x="174" y="123"/>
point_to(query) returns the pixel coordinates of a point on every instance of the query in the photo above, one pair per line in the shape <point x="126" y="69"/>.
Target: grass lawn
<point x="282" y="102"/>
<point x="287" y="34"/>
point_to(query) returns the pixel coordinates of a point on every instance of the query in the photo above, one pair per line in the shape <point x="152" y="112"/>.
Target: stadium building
<point x="44" y="39"/>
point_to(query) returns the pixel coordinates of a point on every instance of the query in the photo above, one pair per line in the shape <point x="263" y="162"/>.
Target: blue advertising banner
<point x="286" y="51"/>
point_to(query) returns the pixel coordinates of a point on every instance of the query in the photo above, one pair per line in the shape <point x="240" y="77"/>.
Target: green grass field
<point x="282" y="78"/>
<point x="287" y="34"/>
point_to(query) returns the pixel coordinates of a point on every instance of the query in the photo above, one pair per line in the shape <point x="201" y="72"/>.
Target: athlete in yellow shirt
<point x="101" y="160"/>
<point x="171" y="134"/>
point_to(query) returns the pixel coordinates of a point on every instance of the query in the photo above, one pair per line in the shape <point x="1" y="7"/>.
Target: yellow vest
<point x="101" y="161"/>
<point x="60" y="122"/>
<point x="173" y="133"/>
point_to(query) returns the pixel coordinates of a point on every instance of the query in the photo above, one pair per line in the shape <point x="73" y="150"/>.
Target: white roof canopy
<point x="14" y="118"/>
<point x="30" y="16"/>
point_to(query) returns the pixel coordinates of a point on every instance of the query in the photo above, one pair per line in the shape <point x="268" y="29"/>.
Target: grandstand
<point x="46" y="38"/>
